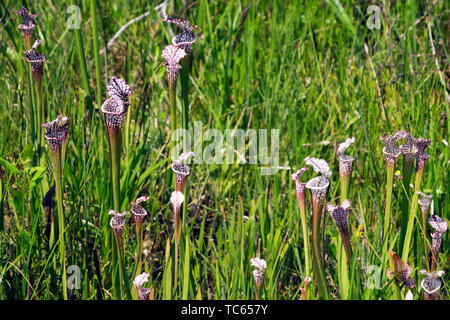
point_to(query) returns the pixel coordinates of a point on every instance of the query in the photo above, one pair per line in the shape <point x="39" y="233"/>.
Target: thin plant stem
<point x="390" y="166"/>
<point x="114" y="144"/>
<point x="98" y="75"/>
<point x="123" y="275"/>
<point x="40" y="115"/>
<point x="184" y="77"/>
<point x="347" y="247"/>
<point x="306" y="245"/>
<point x="114" y="140"/>
<point x="344" y="186"/>
<point x="61" y="219"/>
<point x="317" y="252"/>
<point x="412" y="215"/>
<point x="408" y="167"/>
<point x="173" y="112"/>
<point x="83" y="68"/>
<point x="177" y="236"/>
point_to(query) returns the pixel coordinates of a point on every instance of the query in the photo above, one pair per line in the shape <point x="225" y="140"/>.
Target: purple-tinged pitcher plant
<point x="172" y="55"/>
<point x="431" y="283"/>
<point x="258" y="274"/>
<point x="27" y="27"/>
<point x="408" y="157"/>
<point x="117" y="222"/>
<point x="300" y="188"/>
<point x="139" y="281"/>
<point x="424" y="205"/>
<point x="440" y="226"/>
<point x="177" y="199"/>
<point x="408" y="154"/>
<point x="339" y="214"/>
<point x="401" y="272"/>
<point x="139" y="214"/>
<point x="420" y="144"/>
<point x="345" y="167"/>
<point x="184" y="40"/>
<point x="304" y="290"/>
<point x="391" y="152"/>
<point x="318" y="187"/>
<point x="115" y="109"/>
<point x="181" y="170"/>
<point x="56" y="135"/>
<point x="36" y="61"/>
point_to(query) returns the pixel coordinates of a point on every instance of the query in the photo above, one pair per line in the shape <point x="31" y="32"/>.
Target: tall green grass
<point x="296" y="66"/>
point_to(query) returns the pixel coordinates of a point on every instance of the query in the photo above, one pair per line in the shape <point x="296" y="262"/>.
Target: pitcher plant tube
<point x="345" y="167"/>
<point x="117" y="222"/>
<point x="391" y="152"/>
<point x="56" y="134"/>
<point x="431" y="283"/>
<point x="139" y="281"/>
<point x="420" y="145"/>
<point x="440" y="226"/>
<point x="139" y="214"/>
<point x="258" y="274"/>
<point x="318" y="187"/>
<point x="184" y="40"/>
<point x="300" y="188"/>
<point x="27" y="26"/>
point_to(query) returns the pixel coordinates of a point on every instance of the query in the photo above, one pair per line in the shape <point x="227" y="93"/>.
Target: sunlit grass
<point x="299" y="67"/>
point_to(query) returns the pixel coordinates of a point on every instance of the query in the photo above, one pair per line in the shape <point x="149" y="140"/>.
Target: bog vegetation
<point x="94" y="205"/>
